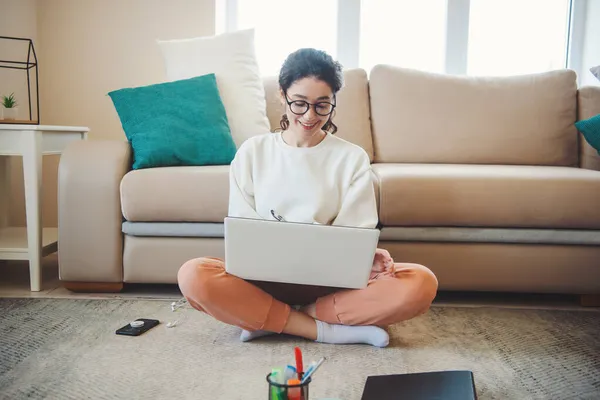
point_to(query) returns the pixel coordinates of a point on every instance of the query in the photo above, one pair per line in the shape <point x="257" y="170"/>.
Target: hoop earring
<point x="284" y="123"/>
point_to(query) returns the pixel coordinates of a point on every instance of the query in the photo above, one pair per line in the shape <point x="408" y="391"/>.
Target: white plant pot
<point x="11" y="113"/>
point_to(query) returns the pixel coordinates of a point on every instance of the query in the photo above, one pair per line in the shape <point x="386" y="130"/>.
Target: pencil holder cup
<point x="288" y="391"/>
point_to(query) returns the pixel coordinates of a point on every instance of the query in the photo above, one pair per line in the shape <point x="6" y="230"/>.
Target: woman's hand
<point x="383" y="261"/>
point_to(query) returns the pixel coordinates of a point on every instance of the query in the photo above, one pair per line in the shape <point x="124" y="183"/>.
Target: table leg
<point x="4" y="195"/>
<point x="4" y="191"/>
<point x="32" y="171"/>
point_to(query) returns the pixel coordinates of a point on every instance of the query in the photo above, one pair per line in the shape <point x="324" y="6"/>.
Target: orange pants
<point x="393" y="296"/>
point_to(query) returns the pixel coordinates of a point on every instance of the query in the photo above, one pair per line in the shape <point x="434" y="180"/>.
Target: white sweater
<point x="329" y="183"/>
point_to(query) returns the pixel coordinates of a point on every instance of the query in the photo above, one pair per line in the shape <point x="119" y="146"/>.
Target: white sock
<point x="343" y="334"/>
<point x="247" y="336"/>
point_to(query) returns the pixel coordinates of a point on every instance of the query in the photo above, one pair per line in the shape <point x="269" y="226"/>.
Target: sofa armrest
<point x="90" y="241"/>
<point x="588" y="105"/>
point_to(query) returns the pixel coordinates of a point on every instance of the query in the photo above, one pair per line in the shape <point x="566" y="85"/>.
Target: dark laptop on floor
<point x="437" y="385"/>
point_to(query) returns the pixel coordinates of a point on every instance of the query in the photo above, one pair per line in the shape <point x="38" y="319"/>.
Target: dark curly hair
<point x="306" y="63"/>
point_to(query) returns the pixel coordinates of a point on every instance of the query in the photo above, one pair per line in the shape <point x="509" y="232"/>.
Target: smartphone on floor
<point x="130" y="330"/>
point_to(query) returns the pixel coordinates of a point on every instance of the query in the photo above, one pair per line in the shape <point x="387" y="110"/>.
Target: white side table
<point x="31" y="142"/>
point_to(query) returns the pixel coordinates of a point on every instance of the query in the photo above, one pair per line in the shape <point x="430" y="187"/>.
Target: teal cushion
<point x="590" y="129"/>
<point x="175" y="123"/>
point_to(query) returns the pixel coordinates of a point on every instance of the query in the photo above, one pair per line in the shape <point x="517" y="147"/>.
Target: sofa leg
<point x="91" y="287"/>
<point x="589" y="300"/>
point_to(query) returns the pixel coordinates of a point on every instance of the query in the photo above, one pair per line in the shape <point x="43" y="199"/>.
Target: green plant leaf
<point x="10" y="101"/>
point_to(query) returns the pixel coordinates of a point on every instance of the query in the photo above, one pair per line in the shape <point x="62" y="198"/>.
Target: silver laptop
<point x="307" y="254"/>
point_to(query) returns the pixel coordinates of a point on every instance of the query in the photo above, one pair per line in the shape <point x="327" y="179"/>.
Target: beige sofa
<point x="484" y="180"/>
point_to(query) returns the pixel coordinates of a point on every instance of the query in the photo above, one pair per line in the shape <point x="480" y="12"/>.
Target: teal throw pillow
<point x="175" y="123"/>
<point x="590" y="129"/>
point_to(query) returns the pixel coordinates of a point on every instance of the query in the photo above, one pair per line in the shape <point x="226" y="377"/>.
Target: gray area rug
<point x="67" y="349"/>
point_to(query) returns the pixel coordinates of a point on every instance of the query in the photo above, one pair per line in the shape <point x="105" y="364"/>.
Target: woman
<point x="306" y="174"/>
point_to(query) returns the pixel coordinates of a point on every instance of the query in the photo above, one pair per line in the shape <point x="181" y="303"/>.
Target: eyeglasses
<point x="301" y="107"/>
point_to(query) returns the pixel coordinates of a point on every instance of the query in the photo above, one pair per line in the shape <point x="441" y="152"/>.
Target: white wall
<point x="91" y="47"/>
<point x="17" y="19"/>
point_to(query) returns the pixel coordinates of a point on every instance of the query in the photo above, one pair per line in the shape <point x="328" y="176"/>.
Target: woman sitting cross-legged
<point x="308" y="175"/>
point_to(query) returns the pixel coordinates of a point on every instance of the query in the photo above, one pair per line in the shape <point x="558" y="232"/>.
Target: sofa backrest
<point x="420" y="117"/>
<point x="351" y="113"/>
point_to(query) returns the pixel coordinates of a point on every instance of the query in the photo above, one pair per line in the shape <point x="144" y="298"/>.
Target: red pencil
<point x="299" y="364"/>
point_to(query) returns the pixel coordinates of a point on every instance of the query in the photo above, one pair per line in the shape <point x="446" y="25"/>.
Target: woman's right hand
<point x="382" y="261"/>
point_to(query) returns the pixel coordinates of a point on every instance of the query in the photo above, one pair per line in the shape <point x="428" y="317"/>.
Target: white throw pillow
<point x="231" y="57"/>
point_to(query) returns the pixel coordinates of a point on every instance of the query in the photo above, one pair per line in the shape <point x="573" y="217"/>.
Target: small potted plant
<point x="10" y="106"/>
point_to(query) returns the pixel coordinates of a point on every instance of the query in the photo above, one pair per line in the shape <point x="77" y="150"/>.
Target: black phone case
<point x="129" y="330"/>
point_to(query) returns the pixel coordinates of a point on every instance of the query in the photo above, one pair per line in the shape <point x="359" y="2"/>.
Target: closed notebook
<point x="438" y="385"/>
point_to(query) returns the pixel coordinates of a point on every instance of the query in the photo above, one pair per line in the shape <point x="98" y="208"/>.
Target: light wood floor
<point x="14" y="282"/>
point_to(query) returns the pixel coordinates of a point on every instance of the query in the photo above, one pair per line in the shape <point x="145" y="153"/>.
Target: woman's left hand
<point x="383" y="261"/>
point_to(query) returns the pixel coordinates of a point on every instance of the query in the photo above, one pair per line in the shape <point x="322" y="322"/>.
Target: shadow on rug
<point x="67" y="349"/>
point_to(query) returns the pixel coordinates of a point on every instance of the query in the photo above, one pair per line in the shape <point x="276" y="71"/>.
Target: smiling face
<point x="319" y="97"/>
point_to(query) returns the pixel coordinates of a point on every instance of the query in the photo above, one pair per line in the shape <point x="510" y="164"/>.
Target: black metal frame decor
<point x="25" y="65"/>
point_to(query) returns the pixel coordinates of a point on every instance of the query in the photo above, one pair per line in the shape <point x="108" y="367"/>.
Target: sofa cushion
<point x="232" y="58"/>
<point x="173" y="194"/>
<point x="351" y="115"/>
<point x="180" y="194"/>
<point x="175" y="123"/>
<point x="488" y="196"/>
<point x="421" y="117"/>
